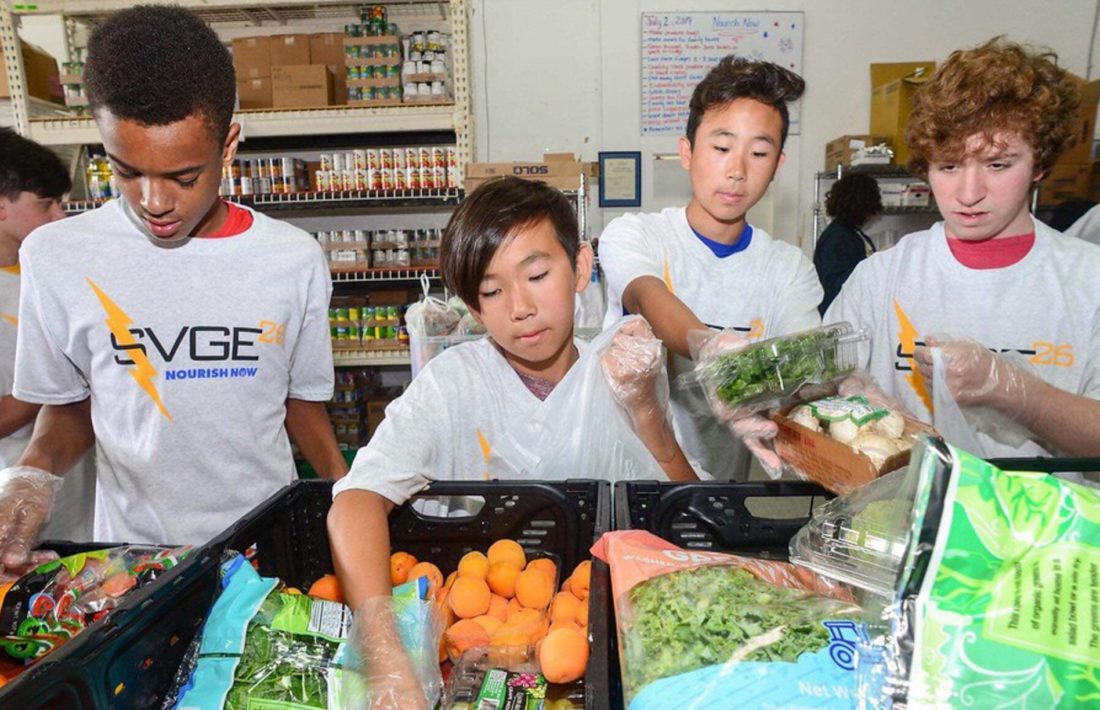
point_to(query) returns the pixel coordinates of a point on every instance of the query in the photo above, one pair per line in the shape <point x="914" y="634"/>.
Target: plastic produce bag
<point x="581" y="430"/>
<point x="702" y="629"/>
<point x="58" y="599"/>
<point x="765" y="374"/>
<point x="995" y="600"/>
<point x="262" y="646"/>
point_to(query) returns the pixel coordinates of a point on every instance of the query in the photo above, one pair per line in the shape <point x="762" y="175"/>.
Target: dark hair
<point x="853" y="199"/>
<point x="491" y="214"/>
<point x="999" y="86"/>
<point x="28" y="167"/>
<point x="157" y="65"/>
<point x="739" y="78"/>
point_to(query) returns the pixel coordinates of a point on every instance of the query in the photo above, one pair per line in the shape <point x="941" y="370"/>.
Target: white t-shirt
<point x="1087" y="226"/>
<point x="468" y="416"/>
<point x="189" y="355"/>
<point x="1042" y="313"/>
<point x="74" y="505"/>
<point x="767" y="290"/>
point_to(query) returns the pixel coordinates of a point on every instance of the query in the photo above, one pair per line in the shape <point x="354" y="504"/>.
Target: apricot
<point x="426" y="569"/>
<point x="564" y="606"/>
<point x="563" y="656"/>
<point x="508" y="551"/>
<point x="462" y="635"/>
<point x="327" y="587"/>
<point x="489" y="623"/>
<point x="534" y="589"/>
<point x="400" y="564"/>
<point x="580" y="580"/>
<point x="502" y="579"/>
<point x="546" y="566"/>
<point x="469" y="597"/>
<point x="473" y="564"/>
<point x="498" y="607"/>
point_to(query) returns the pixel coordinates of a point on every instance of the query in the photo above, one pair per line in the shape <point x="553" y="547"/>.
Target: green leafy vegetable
<point x="776" y="367"/>
<point x="695" y="618"/>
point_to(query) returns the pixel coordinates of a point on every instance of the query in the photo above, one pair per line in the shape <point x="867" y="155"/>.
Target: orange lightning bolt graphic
<point x="143" y="371"/>
<point x="486" y="451"/>
<point x="10" y="318"/>
<point x="907" y="337"/>
<point x="668" y="279"/>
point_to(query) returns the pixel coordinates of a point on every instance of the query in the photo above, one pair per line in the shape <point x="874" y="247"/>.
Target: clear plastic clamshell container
<point x="763" y="374"/>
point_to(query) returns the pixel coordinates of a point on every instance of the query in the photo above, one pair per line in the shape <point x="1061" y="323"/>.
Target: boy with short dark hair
<point x="984" y="131"/>
<point x="704" y="266"/>
<point x="32" y="182"/>
<point x="190" y="334"/>
<point x="529" y="401"/>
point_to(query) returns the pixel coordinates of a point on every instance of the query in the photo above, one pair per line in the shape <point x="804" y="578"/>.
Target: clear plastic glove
<point x="863" y="385"/>
<point x="755" y="430"/>
<point x="396" y="651"/>
<point x="632" y="367"/>
<point x="26" y="497"/>
<point x="978" y="377"/>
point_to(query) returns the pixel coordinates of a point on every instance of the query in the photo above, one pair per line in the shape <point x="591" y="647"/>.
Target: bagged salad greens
<point x="994" y="593"/>
<point x="58" y="599"/>
<point x="703" y="629"/>
<point x="764" y="374"/>
<point x="263" y="647"/>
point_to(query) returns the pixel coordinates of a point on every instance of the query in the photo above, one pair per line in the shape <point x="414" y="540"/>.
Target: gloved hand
<point x="978" y="377"/>
<point x="755" y="430"/>
<point x="632" y="365"/>
<point x="863" y="385"/>
<point x="26" y="497"/>
<point x="395" y="680"/>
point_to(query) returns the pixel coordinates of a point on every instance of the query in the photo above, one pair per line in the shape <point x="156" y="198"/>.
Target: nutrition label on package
<point x="330" y="619"/>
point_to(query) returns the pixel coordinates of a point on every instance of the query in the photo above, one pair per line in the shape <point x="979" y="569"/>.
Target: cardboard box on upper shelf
<point x="328" y="48"/>
<point x="301" y="86"/>
<point x="892" y="88"/>
<point x="1065" y="182"/>
<point x="41" y="75"/>
<point x="290" y="49"/>
<point x="252" y="57"/>
<point x="254" y="93"/>
<point x="843" y="151"/>
<point x="1086" y="123"/>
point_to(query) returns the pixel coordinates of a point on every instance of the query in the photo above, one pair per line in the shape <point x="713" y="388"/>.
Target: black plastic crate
<point x="714" y="515"/>
<point x="132" y="658"/>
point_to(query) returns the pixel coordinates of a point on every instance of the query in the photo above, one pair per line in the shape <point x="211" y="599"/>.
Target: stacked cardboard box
<point x="841" y="151"/>
<point x="289" y="71"/>
<point x="892" y="88"/>
<point x="1072" y="177"/>
<point x="42" y="78"/>
<point x="560" y="170"/>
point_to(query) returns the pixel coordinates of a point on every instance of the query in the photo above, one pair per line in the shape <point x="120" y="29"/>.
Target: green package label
<point x="1009" y="609"/>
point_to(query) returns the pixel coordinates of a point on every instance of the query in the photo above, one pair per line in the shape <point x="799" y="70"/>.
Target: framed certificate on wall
<point x="620" y="179"/>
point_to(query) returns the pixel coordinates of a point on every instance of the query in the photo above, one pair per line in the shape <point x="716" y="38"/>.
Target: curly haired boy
<point x="990" y="309"/>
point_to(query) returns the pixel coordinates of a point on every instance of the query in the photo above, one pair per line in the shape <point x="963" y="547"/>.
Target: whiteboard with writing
<point x="678" y="49"/>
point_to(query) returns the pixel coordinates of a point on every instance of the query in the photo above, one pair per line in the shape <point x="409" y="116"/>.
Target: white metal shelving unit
<point x="881" y="173"/>
<point x="236" y="18"/>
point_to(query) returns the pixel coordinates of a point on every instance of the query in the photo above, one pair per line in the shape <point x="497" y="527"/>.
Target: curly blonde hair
<point x="999" y="86"/>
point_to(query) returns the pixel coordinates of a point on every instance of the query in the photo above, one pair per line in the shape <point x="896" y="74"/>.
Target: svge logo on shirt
<point x="215" y="347"/>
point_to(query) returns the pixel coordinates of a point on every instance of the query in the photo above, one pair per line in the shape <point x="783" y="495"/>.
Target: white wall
<point x="564" y="76"/>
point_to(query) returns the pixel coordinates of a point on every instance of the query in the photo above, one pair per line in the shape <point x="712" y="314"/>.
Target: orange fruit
<point x="327" y="587"/>
<point x="508" y="551"/>
<point x="400" y="564"/>
<point x="502" y="579"/>
<point x="564" y="606"/>
<point x="534" y="589"/>
<point x="498" y="607"/>
<point x="513" y="607"/>
<point x="563" y="656"/>
<point x="426" y="569"/>
<point x="473" y="564"/>
<point x="489" y="623"/>
<point x="469" y="597"/>
<point x="508" y="635"/>
<point x="565" y="624"/>
<point x="582" y="614"/>
<point x="523" y="616"/>
<point x="450" y="580"/>
<point x="545" y="566"/>
<point x="580" y="579"/>
<point x="464" y="634"/>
